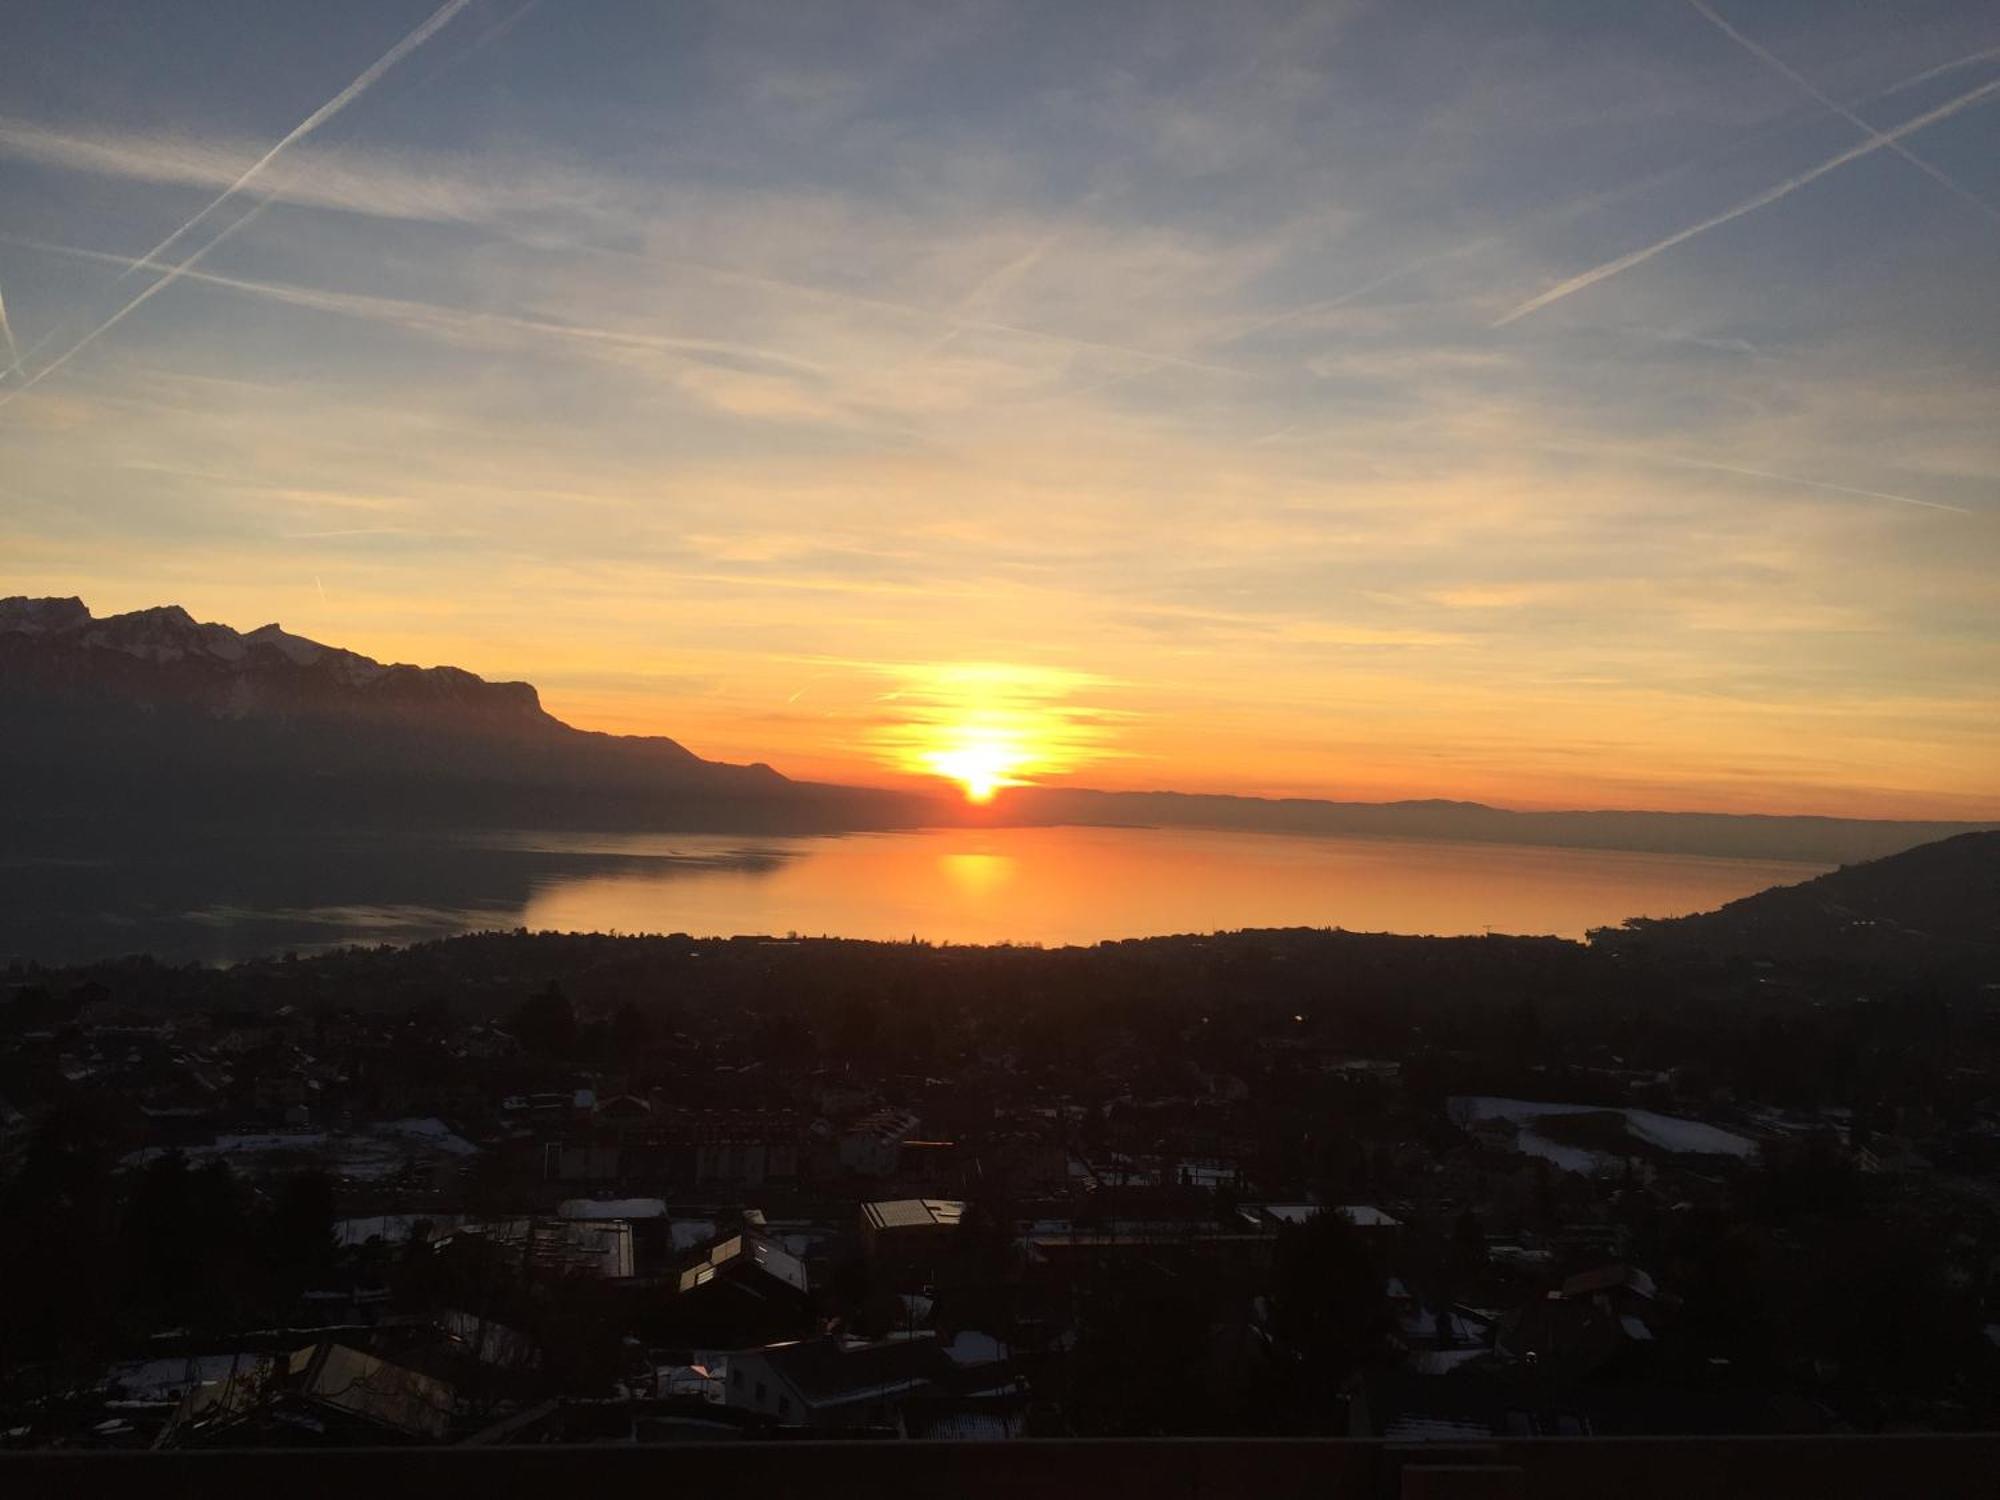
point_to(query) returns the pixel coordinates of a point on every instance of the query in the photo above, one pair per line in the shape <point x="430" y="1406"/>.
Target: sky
<point x="1549" y="404"/>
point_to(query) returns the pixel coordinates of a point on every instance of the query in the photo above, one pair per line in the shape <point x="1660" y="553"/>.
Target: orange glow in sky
<point x="987" y="725"/>
<point x="1000" y="405"/>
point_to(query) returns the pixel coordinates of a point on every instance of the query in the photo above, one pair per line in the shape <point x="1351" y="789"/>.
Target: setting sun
<point x="990" y="725"/>
<point x="982" y="761"/>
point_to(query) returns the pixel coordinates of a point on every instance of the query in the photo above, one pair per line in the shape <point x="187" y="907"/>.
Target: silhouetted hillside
<point x="152" y="720"/>
<point x="1940" y="899"/>
<point x="1810" y="840"/>
<point x="156" y="718"/>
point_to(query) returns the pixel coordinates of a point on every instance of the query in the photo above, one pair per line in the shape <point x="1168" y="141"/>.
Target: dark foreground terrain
<point x="1733" y="1176"/>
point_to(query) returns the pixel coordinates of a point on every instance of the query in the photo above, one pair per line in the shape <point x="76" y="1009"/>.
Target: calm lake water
<point x="1037" y="885"/>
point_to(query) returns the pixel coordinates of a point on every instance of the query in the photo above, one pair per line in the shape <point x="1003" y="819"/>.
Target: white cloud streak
<point x="435" y="318"/>
<point x="1680" y="461"/>
<point x="1784" y="70"/>
<point x="7" y="338"/>
<point x="1587" y="279"/>
<point x="362" y="82"/>
<point x="174" y="273"/>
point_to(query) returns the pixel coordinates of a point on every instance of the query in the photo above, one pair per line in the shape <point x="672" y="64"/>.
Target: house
<point x="740" y="1287"/>
<point x="613" y="1208"/>
<point x="843" y="1382"/>
<point x="555" y="1247"/>
<point x="1360" y="1215"/>
<point x="1625" y="1291"/>
<point x="1594" y="1318"/>
<point x="873" y="1145"/>
<point x="909" y="1228"/>
<point x="325" y="1394"/>
<point x="622" y="1110"/>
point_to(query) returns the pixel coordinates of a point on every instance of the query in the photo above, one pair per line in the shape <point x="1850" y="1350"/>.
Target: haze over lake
<point x="1028" y="885"/>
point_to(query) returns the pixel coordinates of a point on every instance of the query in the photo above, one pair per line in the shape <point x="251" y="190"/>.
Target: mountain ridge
<point x="154" y="717"/>
<point x="1800" y="838"/>
<point x="1936" y="903"/>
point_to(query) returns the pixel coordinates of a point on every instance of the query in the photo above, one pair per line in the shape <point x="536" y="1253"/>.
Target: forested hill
<point x="1938" y="900"/>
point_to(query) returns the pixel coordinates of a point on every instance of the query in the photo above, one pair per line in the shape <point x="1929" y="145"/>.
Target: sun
<point x="979" y="758"/>
<point x="988" y="726"/>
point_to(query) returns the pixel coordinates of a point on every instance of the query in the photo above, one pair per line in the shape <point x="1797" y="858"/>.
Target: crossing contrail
<point x="361" y="84"/>
<point x="1784" y="70"/>
<point x="1790" y="185"/>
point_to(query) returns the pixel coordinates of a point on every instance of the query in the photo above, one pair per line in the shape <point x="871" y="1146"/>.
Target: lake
<point x="222" y="902"/>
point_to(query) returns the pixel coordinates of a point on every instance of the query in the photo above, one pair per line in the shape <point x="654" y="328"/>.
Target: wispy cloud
<point x="414" y="185"/>
<point x="1876" y="142"/>
<point x="671" y="358"/>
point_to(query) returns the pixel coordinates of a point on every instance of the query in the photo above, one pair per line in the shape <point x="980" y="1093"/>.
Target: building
<point x="327" y="1394"/>
<point x="847" y="1383"/>
<point x="740" y="1287"/>
<point x="873" y="1145"/>
<point x="909" y="1228"/>
<point x="555" y="1247"/>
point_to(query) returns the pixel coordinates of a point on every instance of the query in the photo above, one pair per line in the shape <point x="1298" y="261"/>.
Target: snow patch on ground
<point x="431" y="1132"/>
<point x="1665" y="1132"/>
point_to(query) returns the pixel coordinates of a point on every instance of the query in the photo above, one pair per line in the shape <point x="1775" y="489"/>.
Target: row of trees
<point x="93" y="1259"/>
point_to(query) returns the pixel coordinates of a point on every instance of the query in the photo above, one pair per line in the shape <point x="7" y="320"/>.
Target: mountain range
<point x="156" y="717"/>
<point x="153" y="720"/>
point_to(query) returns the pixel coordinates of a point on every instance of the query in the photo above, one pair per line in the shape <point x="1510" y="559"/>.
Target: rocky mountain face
<point x="154" y="715"/>
<point x="164" y="658"/>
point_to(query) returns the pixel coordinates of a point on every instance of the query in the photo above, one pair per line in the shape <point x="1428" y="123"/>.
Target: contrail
<point x="1678" y="461"/>
<point x="1967" y="61"/>
<point x="1568" y="210"/>
<point x="362" y="83"/>
<point x="1816" y="484"/>
<point x="7" y="336"/>
<point x="1790" y="185"/>
<point x="1784" y="70"/>
<point x="430" y="316"/>
<point x="173" y="273"/>
<point x="312" y="122"/>
<point x="1328" y="304"/>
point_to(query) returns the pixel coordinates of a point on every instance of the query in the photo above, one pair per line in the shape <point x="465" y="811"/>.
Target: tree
<point x="57" y="1224"/>
<point x="1329" y="1310"/>
<point x="1468" y="1248"/>
<point x="545" y="1023"/>
<point x="298" y="1240"/>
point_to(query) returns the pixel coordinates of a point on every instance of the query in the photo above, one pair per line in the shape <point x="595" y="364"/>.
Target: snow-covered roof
<point x="613" y="1208"/>
<point x="970" y="1347"/>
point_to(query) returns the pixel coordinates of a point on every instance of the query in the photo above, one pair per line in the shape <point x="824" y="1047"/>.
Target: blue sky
<point x="1546" y="403"/>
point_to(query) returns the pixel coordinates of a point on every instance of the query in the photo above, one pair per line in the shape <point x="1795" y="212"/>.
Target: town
<point x="518" y="1188"/>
